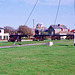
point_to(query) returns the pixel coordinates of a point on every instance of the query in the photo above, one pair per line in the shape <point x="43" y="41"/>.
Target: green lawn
<point x="58" y="59"/>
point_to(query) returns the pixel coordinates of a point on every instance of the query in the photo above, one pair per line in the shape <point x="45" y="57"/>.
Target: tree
<point x="10" y="30"/>
<point x="25" y="30"/>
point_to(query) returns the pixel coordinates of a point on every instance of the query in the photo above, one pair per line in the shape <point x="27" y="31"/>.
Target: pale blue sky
<point x="15" y="12"/>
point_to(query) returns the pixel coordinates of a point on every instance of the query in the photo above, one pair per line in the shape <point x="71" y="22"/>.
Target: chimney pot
<point x="59" y="25"/>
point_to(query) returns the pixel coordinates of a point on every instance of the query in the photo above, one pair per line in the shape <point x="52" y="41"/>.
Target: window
<point x="62" y="29"/>
<point x="0" y="31"/>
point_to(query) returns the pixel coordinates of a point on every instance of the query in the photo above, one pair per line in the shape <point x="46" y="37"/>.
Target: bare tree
<point x="25" y="30"/>
<point x="10" y="30"/>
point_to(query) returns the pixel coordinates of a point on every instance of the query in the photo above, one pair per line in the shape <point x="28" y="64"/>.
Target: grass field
<point x="58" y="59"/>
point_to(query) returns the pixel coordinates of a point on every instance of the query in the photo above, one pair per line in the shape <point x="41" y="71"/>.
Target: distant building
<point x="55" y="29"/>
<point x="59" y="30"/>
<point x="40" y="29"/>
<point x="3" y="35"/>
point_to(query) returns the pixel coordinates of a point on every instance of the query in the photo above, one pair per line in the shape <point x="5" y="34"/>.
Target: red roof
<point x="72" y="30"/>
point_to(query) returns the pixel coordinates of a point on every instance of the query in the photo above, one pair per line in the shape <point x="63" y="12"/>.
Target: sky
<point x="14" y="13"/>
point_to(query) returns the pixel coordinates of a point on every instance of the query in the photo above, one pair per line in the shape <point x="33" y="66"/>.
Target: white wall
<point x="2" y="34"/>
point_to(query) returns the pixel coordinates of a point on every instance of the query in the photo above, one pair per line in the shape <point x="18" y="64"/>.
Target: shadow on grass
<point x="63" y="45"/>
<point x="5" y="42"/>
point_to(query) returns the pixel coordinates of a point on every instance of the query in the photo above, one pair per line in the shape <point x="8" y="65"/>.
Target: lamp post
<point x="33" y="28"/>
<point x="74" y="38"/>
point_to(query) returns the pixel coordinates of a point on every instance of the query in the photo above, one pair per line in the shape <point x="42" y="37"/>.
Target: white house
<point x="3" y="36"/>
<point x="59" y="30"/>
<point x="55" y="29"/>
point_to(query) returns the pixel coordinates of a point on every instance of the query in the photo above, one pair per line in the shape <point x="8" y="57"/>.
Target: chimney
<point x="68" y="30"/>
<point x="59" y="25"/>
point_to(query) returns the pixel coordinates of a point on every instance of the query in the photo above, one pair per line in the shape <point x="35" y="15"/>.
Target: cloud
<point x="55" y="2"/>
<point x="48" y="2"/>
<point x="3" y="1"/>
<point x="41" y="2"/>
<point x="30" y="1"/>
<point x="67" y="2"/>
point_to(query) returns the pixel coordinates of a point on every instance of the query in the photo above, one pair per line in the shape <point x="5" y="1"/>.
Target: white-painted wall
<point x="2" y="34"/>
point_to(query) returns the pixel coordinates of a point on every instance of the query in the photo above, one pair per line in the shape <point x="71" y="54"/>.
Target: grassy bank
<point x="39" y="60"/>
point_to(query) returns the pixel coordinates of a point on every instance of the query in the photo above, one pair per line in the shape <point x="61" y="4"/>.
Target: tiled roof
<point x="58" y="27"/>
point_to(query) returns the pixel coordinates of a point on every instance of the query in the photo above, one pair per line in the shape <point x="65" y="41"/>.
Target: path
<point x="21" y="45"/>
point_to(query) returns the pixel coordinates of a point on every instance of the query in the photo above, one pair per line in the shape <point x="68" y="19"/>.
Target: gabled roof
<point x="1" y="28"/>
<point x="58" y="27"/>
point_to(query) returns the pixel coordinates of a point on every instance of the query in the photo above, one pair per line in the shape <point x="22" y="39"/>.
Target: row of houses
<point x="54" y="30"/>
<point x="40" y="29"/>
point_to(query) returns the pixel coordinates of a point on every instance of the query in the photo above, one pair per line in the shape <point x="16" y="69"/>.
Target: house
<point x="40" y="29"/>
<point x="3" y="36"/>
<point x="58" y="29"/>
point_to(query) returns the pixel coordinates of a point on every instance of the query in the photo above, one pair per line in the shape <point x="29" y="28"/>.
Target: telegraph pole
<point x="74" y="6"/>
<point x="33" y="27"/>
<point x="74" y="38"/>
<point x="74" y="14"/>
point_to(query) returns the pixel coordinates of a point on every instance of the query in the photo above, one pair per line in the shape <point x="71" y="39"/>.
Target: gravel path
<point x="22" y="45"/>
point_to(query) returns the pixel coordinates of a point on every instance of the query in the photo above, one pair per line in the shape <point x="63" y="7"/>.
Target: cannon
<point x="17" y="38"/>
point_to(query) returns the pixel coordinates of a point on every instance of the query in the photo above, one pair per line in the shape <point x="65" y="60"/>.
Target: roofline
<point x="1" y="28"/>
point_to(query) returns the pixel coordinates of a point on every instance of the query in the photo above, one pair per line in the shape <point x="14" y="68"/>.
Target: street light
<point x="74" y="38"/>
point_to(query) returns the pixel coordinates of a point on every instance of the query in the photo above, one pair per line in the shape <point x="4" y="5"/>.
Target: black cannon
<point x="16" y="38"/>
<point x="40" y="37"/>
